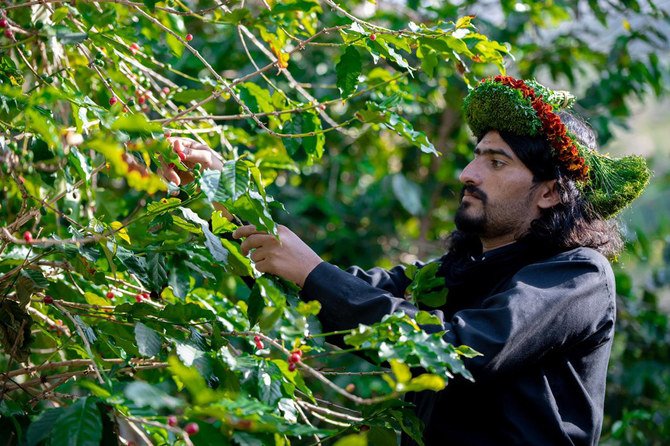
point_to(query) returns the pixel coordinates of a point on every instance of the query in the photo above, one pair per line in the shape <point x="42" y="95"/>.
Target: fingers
<point x="244" y="231"/>
<point x="195" y="152"/>
<point x="257" y="240"/>
<point x="169" y="174"/>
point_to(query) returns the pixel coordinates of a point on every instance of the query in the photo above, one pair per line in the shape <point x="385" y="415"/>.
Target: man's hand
<point x="194" y="153"/>
<point x="289" y="257"/>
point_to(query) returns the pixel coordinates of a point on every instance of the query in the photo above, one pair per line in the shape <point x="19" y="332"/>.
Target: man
<point x="529" y="283"/>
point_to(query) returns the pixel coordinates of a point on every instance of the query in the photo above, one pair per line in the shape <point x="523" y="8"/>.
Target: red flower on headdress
<point x="564" y="147"/>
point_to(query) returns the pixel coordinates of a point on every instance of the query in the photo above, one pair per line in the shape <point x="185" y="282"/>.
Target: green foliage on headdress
<point x="614" y="183"/>
<point x="493" y="106"/>
<point x="558" y="99"/>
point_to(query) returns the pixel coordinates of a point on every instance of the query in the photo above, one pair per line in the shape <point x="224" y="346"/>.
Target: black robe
<point x="544" y="324"/>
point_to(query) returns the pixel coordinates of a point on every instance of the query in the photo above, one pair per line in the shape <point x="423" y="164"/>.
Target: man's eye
<point x="496" y="164"/>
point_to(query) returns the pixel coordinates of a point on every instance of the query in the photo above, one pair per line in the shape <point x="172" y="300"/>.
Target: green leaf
<point x="190" y="378"/>
<point x="230" y="183"/>
<point x="307" y="147"/>
<point x="392" y="121"/>
<point x="348" y="70"/>
<point x="253" y="208"/>
<point x="40" y="429"/>
<point x="408" y="193"/>
<point x="79" y="425"/>
<point x="235" y="178"/>
<point x="425" y="318"/>
<point x="186" y="96"/>
<point x="136" y="124"/>
<point x="269" y="380"/>
<point x="157" y="271"/>
<point x="221" y="224"/>
<point x="144" y="394"/>
<point x="426" y="381"/>
<point x="427" y="287"/>
<point x="212" y="242"/>
<point x="148" y="341"/>
<point x="309" y="308"/>
<point x="151" y="4"/>
<point x="257" y="98"/>
<point x="186" y="312"/>
<point x="70" y="38"/>
<point x="162" y="206"/>
<point x="401" y="371"/>
<point x="353" y="440"/>
<point x="59" y="14"/>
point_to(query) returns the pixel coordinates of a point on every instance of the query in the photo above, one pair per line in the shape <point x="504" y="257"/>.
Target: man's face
<point x="498" y="198"/>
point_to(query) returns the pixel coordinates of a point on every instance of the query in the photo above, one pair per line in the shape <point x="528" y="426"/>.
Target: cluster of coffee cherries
<point x="5" y="25"/>
<point x="293" y="359"/>
<point x="190" y="428"/>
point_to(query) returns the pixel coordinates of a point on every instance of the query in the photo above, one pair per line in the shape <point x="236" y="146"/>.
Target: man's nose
<point x="470" y="175"/>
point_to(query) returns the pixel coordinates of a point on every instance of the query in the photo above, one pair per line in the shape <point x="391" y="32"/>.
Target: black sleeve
<point x="550" y="305"/>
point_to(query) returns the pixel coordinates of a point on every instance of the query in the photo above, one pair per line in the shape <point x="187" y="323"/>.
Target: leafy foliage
<point x="128" y="293"/>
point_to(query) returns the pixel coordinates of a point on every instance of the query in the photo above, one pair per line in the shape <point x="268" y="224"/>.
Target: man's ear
<point x="548" y="196"/>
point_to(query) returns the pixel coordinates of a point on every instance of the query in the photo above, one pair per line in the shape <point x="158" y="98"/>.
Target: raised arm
<point x="559" y="304"/>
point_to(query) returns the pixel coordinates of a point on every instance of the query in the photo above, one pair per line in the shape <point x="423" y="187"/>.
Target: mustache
<point x="474" y="191"/>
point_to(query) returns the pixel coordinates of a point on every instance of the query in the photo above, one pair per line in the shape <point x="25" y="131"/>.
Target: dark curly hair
<point x="572" y="222"/>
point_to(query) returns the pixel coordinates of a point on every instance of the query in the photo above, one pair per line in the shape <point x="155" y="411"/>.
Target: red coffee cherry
<point x="191" y="428"/>
<point x="3" y="23"/>
<point x="113" y="100"/>
<point x="292" y="367"/>
<point x="189" y="37"/>
<point x="294" y="358"/>
<point x="48" y="300"/>
<point x="28" y="237"/>
<point x="259" y="342"/>
<point x="373" y="37"/>
<point x="172" y="420"/>
<point x="110" y="295"/>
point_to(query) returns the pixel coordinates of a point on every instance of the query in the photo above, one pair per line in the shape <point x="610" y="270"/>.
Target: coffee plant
<point x="128" y="312"/>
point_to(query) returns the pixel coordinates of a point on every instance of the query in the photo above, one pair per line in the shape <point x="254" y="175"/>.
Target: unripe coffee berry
<point x="166" y="90"/>
<point x="28" y="237"/>
<point x="191" y="428"/>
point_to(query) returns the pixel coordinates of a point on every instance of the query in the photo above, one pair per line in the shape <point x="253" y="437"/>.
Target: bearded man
<point x="529" y="283"/>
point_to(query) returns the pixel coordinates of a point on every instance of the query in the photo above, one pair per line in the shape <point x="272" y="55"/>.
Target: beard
<point x="491" y="219"/>
<point x="466" y="221"/>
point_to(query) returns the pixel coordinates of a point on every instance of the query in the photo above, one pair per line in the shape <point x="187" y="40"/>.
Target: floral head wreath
<point x="527" y="108"/>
